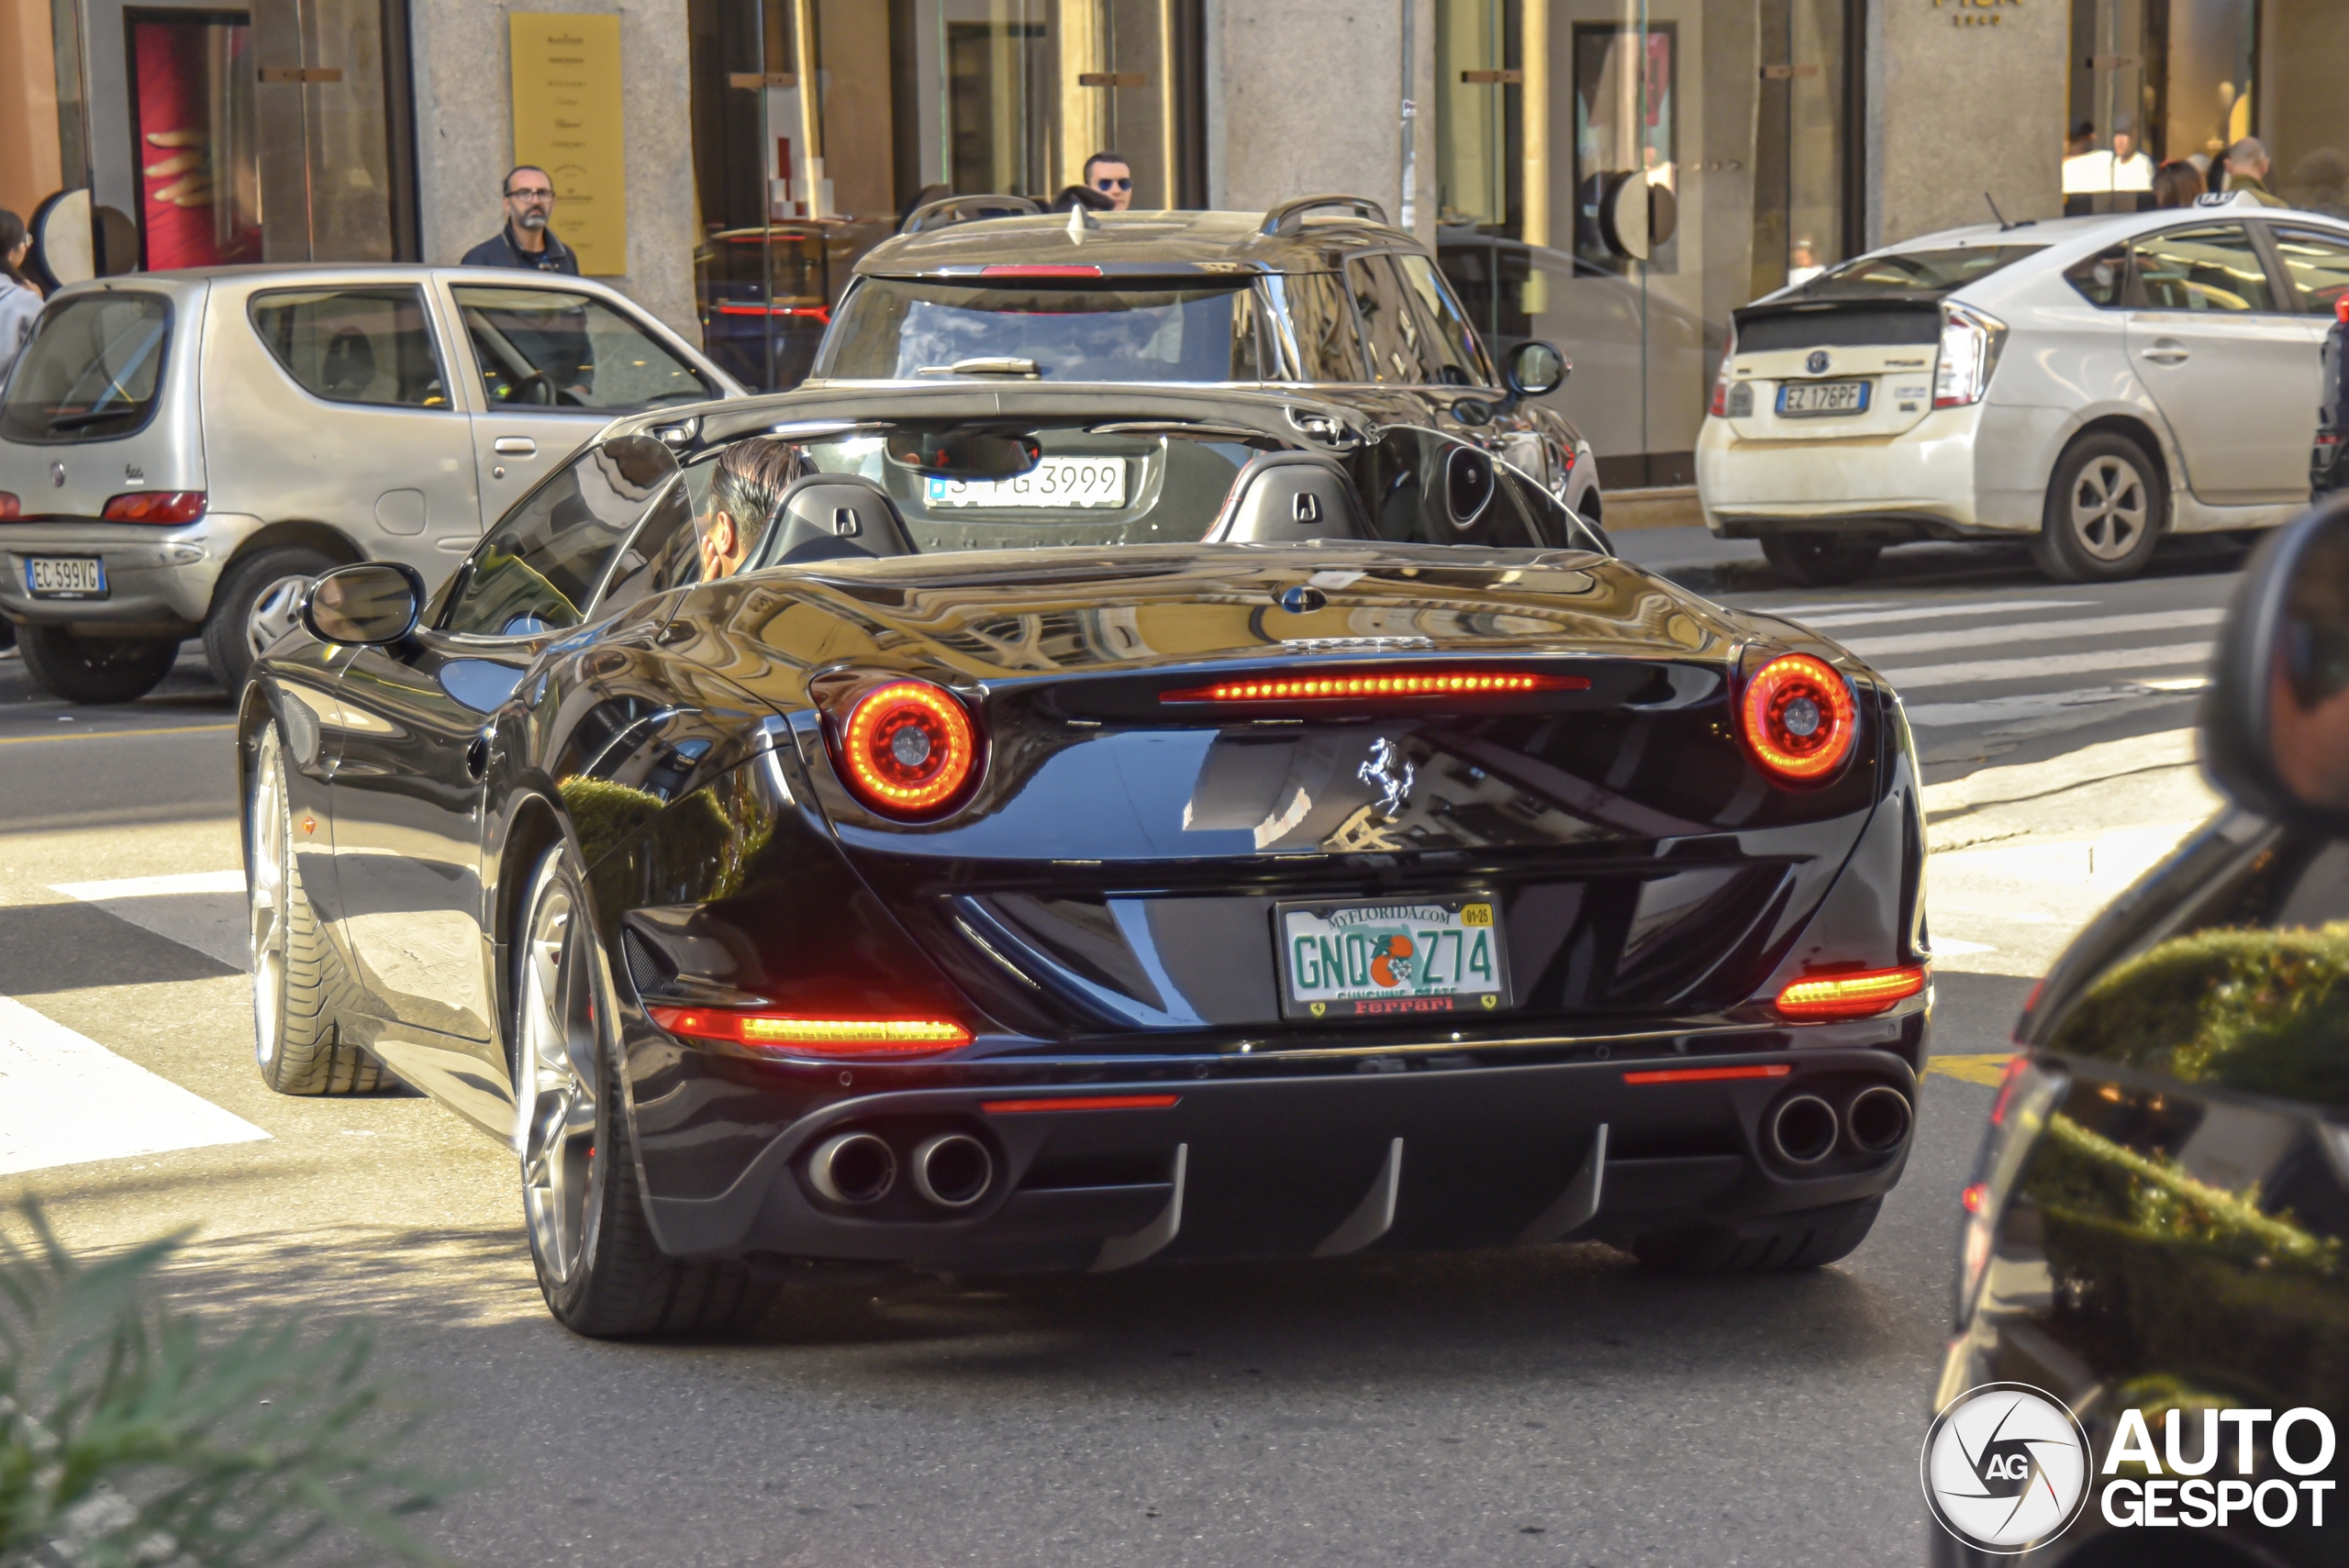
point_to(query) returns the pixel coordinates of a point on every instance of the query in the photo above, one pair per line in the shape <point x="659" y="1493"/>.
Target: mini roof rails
<point x="949" y="210"/>
<point x="1288" y="217"/>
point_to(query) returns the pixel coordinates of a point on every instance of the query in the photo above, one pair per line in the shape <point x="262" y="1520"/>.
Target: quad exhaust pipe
<point x="953" y="1170"/>
<point x="852" y="1168"/>
<point x="1803" y="1130"/>
<point x="1877" y="1119"/>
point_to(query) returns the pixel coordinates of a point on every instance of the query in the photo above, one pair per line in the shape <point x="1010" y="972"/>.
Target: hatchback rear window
<point x="902" y="329"/>
<point x="92" y="370"/>
<point x="1919" y="272"/>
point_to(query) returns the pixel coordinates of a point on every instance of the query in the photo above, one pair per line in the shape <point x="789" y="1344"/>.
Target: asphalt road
<point x="1554" y="1406"/>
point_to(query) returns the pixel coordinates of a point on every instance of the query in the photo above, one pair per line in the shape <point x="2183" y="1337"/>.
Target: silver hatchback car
<point x="182" y="452"/>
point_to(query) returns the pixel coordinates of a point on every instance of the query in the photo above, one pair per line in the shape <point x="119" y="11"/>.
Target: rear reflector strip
<point x="815" y="1037"/>
<point x="1341" y="688"/>
<point x="1083" y="1103"/>
<point x="1709" y="1074"/>
<point x="1040" y="269"/>
<point x="1851" y="995"/>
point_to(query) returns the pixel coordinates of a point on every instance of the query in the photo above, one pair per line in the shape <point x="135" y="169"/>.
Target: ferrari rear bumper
<point x="1106" y="1173"/>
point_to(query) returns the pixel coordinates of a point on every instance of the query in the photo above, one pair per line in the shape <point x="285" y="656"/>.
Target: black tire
<point x="2106" y="507"/>
<point x="1783" y="1243"/>
<point x="599" y="1268"/>
<point x="96" y="670"/>
<point x="299" y="988"/>
<point x="8" y="635"/>
<point x="1818" y="561"/>
<point x="230" y="629"/>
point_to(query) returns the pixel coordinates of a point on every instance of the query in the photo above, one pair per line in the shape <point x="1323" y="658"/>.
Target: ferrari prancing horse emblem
<point x="1389" y="774"/>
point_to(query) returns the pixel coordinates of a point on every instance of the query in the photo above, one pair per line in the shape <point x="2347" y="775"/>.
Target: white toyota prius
<point x="2088" y="383"/>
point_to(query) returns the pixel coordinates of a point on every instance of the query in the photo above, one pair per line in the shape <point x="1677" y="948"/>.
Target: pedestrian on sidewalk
<point x="19" y="300"/>
<point x="2247" y="171"/>
<point x="2177" y="183"/>
<point x="526" y="241"/>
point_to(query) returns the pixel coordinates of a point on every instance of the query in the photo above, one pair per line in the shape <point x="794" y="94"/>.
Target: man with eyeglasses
<point x="1112" y="176"/>
<point x="526" y="241"/>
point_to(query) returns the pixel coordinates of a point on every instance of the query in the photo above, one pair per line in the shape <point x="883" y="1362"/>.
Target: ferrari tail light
<point x="1857" y="995"/>
<point x="1799" y="718"/>
<point x="908" y="747"/>
<point x="1720" y="377"/>
<point x="1343" y="687"/>
<point x="155" y="506"/>
<point x="1970" y="345"/>
<point x="814" y="1037"/>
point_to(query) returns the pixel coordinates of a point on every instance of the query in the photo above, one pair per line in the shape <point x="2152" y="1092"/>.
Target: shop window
<point x="372" y="345"/>
<point x="195" y="157"/>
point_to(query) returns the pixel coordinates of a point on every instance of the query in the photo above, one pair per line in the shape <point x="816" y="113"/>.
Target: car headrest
<point x="1284" y="496"/>
<point x="826" y="516"/>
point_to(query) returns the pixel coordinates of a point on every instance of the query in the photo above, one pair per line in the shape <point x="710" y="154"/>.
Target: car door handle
<point x="515" y="446"/>
<point x="2167" y="354"/>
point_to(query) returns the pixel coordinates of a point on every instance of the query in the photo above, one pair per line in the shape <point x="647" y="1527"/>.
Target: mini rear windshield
<point x="92" y="370"/>
<point x="1919" y="272"/>
<point x="904" y="330"/>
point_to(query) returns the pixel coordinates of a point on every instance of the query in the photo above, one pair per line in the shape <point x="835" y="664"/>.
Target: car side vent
<point x="646" y="970"/>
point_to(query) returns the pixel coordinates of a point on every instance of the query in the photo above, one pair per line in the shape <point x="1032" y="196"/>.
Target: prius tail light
<point x="1799" y="718"/>
<point x="908" y="749"/>
<point x="793" y="1035"/>
<point x="1719" y="408"/>
<point x="167" y="506"/>
<point x="1344" y="686"/>
<point x="1858" y="996"/>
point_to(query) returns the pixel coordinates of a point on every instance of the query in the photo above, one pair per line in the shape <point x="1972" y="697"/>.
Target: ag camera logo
<point x="2006" y="1468"/>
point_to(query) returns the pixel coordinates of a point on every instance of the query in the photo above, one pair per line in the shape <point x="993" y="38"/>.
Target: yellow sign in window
<point x="567" y="121"/>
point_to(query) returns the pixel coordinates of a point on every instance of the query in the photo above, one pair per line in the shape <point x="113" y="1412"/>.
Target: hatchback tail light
<point x="1970" y="345"/>
<point x="155" y="506"/>
<point x="1720" y="378"/>
<point x="908" y="749"/>
<point x="10" y="507"/>
<point x="1799" y="718"/>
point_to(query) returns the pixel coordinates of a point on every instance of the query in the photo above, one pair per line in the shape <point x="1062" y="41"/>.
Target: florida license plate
<point x="1802" y="399"/>
<point x="1392" y="959"/>
<point x="65" y="577"/>
<point x="1053" y="482"/>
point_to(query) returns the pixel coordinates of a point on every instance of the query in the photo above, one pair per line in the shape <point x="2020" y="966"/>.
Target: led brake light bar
<point x="1340" y="688"/>
<point x="814" y="1037"/>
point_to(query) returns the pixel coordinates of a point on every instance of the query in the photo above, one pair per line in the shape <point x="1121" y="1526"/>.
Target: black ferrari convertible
<point x="1025" y="828"/>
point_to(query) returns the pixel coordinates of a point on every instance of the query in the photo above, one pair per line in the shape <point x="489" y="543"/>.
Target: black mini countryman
<point x="2155" y="1233"/>
<point x="992" y="827"/>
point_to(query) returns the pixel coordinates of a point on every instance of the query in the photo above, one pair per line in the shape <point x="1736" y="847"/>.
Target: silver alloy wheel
<point x="268" y="884"/>
<point x="277" y="609"/>
<point x="559" y="1068"/>
<point x="2108" y="508"/>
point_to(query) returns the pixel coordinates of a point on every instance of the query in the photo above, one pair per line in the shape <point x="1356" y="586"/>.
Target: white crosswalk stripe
<point x="1880" y="612"/>
<point x="1874" y="649"/>
<point x="2044" y="666"/>
<point x="65" y="1099"/>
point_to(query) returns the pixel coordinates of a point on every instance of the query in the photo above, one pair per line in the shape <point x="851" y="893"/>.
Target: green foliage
<point x="2261" y="1011"/>
<point x="128" y="1438"/>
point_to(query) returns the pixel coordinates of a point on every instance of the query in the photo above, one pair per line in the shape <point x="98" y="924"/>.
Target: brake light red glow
<point x="1720" y="406"/>
<point x="10" y="507"/>
<point x="1974" y="1196"/>
<point x="815" y="1037"/>
<point x="2015" y="1066"/>
<point x="1083" y="1103"/>
<point x="1851" y="995"/>
<point x="1040" y="269"/>
<point x="1798" y="718"/>
<point x="155" y="506"/>
<point x="1338" y="688"/>
<point x="1709" y="1074"/>
<point x="909" y="747"/>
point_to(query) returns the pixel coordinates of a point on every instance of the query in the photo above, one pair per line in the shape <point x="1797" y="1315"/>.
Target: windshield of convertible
<point x="909" y="330"/>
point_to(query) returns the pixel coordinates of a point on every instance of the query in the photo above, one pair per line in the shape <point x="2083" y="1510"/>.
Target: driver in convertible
<point x="751" y="477"/>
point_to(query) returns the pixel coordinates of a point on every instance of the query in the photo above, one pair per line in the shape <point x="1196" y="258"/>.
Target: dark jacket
<point x="501" y="251"/>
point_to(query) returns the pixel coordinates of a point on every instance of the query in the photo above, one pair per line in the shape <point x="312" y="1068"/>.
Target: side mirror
<point x="2276" y="718"/>
<point x="1536" y="369"/>
<point x="368" y="605"/>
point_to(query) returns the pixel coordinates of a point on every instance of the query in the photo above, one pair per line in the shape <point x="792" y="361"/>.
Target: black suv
<point x="2157" y="1233"/>
<point x="1320" y="293"/>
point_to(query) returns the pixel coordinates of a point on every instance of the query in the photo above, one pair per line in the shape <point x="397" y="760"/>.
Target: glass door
<point x="196" y="150"/>
<point x="330" y="102"/>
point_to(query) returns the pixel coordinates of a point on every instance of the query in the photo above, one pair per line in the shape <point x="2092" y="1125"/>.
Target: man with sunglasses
<point x="526" y="241"/>
<point x="1112" y="176"/>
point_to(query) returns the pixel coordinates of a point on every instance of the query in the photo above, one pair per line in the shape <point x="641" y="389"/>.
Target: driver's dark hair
<point x="1104" y="156"/>
<point x="507" y="189"/>
<point x="751" y="477"/>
